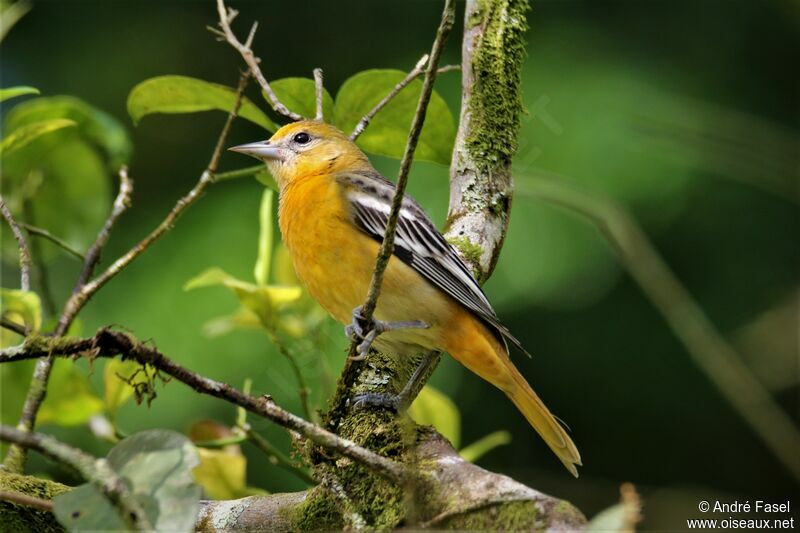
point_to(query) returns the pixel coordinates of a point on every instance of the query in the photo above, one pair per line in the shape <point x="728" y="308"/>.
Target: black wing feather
<point x="420" y="245"/>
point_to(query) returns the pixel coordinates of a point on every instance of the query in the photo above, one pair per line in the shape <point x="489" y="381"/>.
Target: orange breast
<point x="335" y="261"/>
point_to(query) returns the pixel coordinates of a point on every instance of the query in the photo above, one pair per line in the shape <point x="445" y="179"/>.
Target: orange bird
<point x="333" y="211"/>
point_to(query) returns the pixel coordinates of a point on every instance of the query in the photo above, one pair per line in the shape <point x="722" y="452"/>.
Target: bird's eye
<point x="302" y="138"/>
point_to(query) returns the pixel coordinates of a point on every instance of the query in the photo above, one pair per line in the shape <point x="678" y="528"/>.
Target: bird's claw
<point x="366" y="331"/>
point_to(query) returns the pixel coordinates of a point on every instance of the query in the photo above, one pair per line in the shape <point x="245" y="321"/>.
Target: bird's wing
<point x="419" y="245"/>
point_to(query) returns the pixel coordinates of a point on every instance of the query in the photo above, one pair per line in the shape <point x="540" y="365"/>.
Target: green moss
<point x="496" y="101"/>
<point x="471" y="252"/>
<point x="512" y="516"/>
<point x="20" y="518"/>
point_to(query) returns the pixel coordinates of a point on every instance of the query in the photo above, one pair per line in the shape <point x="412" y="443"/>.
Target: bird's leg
<point x="400" y="401"/>
<point x="368" y="330"/>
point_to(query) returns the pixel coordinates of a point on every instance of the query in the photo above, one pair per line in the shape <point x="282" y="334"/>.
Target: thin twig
<point x="61" y="243"/>
<point x="15" y="458"/>
<point x="79" y="298"/>
<point x="387" y="246"/>
<point x="416" y="72"/>
<point x="318" y="89"/>
<point x="19" y="329"/>
<point x="45" y="291"/>
<point x="302" y="388"/>
<point x="19" y="498"/>
<point x="240" y="173"/>
<point x="276" y="457"/>
<point x="226" y="16"/>
<point x="24" y="251"/>
<point x="107" y="343"/>
<point x="418" y="69"/>
<point x="121" y="203"/>
<point x="41" y="232"/>
<point x="94" y="470"/>
<point x="709" y="350"/>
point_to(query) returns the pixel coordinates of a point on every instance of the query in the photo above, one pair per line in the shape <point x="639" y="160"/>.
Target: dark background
<point x="660" y="105"/>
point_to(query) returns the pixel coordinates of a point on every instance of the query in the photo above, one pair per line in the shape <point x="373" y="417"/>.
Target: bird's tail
<point x="474" y="346"/>
<point x="545" y="424"/>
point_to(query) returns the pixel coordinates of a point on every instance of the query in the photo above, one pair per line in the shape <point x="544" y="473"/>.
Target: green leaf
<point x="10" y="13"/>
<point x="263" y="261"/>
<point x="265" y="178"/>
<point x="22" y="307"/>
<point x="433" y="407"/>
<point x="13" y="92"/>
<point x="70" y="400"/>
<point x="263" y="301"/>
<point x="388" y="132"/>
<point x="94" y="125"/>
<point x="244" y="318"/>
<point x="181" y="94"/>
<point x="85" y="508"/>
<point x="299" y="95"/>
<point x="482" y="446"/>
<point x="30" y="132"/>
<point x="157" y="467"/>
<point x="68" y="184"/>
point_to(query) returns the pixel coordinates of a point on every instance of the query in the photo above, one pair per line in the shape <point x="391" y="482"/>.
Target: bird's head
<point x="306" y="148"/>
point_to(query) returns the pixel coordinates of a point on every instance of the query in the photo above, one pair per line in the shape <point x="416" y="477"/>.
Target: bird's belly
<point x="336" y="266"/>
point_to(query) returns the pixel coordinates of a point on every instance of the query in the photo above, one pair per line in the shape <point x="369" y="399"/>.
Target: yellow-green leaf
<point x="482" y="446"/>
<point x="116" y="375"/>
<point x="30" y="132"/>
<point x="70" y="400"/>
<point x="300" y="96"/>
<point x="13" y="92"/>
<point x="93" y="124"/>
<point x="388" y="131"/>
<point x="241" y="319"/>
<point x="181" y="94"/>
<point x="263" y="261"/>
<point x="433" y="407"/>
<point x="22" y="307"/>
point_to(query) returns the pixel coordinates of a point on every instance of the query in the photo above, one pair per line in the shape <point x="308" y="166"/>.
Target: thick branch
<point x="93" y="470"/>
<point x="24" y="251"/>
<point x="107" y="343"/>
<point x="491" y="102"/>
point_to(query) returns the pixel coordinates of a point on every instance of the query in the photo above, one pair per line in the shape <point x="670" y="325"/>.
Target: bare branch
<point x="28" y="501"/>
<point x="121" y="203"/>
<point x="226" y="16"/>
<point x="94" y="470"/>
<point x="318" y="87"/>
<point x="418" y="69"/>
<point x="107" y="343"/>
<point x="24" y="251"/>
<point x="15" y="458"/>
<point x="709" y="350"/>
<point x="85" y="292"/>
<point x="19" y="329"/>
<point x="61" y="243"/>
<point x="387" y="246"/>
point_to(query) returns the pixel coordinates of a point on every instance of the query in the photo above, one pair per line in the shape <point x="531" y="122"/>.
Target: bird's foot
<point x="366" y="331"/>
<point x="392" y="402"/>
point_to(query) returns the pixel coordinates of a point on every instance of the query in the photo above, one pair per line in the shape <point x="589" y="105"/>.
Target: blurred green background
<point x="685" y="113"/>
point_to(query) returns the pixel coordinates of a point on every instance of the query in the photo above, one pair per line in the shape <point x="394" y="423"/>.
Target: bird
<point x="333" y="211"/>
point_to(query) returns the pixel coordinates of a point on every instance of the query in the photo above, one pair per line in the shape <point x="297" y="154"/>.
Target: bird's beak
<point x="259" y="150"/>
